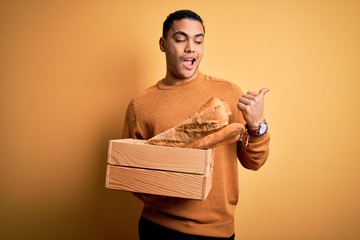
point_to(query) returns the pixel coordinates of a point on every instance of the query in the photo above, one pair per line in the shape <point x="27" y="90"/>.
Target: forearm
<point x="254" y="154"/>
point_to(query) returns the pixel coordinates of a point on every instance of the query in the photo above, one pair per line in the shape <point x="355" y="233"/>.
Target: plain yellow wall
<point x="69" y="68"/>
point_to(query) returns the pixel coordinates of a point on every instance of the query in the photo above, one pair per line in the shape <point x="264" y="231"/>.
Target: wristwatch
<point x="259" y="131"/>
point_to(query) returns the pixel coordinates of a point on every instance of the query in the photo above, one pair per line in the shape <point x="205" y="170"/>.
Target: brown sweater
<point x="161" y="107"/>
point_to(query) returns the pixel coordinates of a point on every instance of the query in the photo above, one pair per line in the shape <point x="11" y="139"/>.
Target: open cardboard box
<point x="168" y="171"/>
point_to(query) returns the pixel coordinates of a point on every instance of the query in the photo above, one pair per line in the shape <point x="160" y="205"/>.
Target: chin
<point x="187" y="74"/>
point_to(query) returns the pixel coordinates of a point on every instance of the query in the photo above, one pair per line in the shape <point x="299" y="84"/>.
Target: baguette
<point x="210" y="118"/>
<point x="227" y="135"/>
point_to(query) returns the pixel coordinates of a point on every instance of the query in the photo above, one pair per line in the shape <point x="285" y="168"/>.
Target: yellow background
<point x="69" y="68"/>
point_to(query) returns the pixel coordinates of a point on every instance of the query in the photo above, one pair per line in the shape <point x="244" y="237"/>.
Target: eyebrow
<point x="186" y="35"/>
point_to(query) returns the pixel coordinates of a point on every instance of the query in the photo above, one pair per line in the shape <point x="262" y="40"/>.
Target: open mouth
<point x="189" y="62"/>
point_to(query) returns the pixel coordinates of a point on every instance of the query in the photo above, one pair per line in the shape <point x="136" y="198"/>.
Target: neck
<point x="171" y="80"/>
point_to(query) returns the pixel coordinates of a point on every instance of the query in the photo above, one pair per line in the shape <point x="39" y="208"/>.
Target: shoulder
<point x="223" y="83"/>
<point x="144" y="100"/>
<point x="145" y="94"/>
<point x="219" y="80"/>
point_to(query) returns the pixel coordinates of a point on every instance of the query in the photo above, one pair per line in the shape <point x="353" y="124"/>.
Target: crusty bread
<point x="227" y="135"/>
<point x="210" y="118"/>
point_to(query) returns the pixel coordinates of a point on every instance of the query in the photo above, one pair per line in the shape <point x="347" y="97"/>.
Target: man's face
<point x="183" y="48"/>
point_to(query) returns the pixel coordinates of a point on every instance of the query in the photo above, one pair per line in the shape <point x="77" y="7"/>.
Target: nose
<point x="190" y="47"/>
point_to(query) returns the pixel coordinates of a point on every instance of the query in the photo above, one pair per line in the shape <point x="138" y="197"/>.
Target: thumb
<point x="263" y="91"/>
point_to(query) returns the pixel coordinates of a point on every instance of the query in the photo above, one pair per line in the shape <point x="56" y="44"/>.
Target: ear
<point x="162" y="44"/>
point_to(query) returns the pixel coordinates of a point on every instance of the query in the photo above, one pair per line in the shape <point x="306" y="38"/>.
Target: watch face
<point x="262" y="128"/>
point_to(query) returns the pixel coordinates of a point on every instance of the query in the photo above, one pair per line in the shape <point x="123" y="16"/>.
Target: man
<point x="166" y="104"/>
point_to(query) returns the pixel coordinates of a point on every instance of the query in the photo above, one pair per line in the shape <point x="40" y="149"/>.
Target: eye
<point x="198" y="40"/>
<point x="179" y="40"/>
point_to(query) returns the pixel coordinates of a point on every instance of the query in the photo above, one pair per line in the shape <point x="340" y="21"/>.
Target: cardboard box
<point x="167" y="171"/>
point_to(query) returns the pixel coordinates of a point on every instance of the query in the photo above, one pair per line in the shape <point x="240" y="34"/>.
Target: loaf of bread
<point x="227" y="135"/>
<point x="211" y="117"/>
<point x="207" y="128"/>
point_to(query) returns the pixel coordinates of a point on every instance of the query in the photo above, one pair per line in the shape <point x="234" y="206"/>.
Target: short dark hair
<point x="179" y="15"/>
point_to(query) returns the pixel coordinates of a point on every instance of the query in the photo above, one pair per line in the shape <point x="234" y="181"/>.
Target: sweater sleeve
<point x="255" y="153"/>
<point x="131" y="129"/>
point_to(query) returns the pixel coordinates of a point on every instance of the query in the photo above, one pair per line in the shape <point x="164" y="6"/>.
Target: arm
<point x="254" y="154"/>
<point x="130" y="129"/>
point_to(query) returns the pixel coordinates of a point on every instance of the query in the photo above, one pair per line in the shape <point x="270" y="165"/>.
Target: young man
<point x="170" y="101"/>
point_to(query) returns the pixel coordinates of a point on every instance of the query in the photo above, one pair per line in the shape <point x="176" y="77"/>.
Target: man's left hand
<point x="251" y="105"/>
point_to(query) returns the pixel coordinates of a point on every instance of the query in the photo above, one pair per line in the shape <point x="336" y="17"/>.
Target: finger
<point x="263" y="91"/>
<point x="244" y="108"/>
<point x="252" y="93"/>
<point x="250" y="96"/>
<point x="245" y="101"/>
<point x="241" y="106"/>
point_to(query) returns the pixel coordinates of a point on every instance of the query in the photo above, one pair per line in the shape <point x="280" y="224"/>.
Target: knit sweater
<point x="161" y="107"/>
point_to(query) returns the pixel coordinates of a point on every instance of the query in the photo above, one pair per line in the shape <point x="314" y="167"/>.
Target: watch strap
<point x="255" y="132"/>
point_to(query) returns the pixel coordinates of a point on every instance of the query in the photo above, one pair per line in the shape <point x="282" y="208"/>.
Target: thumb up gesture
<point x="251" y="105"/>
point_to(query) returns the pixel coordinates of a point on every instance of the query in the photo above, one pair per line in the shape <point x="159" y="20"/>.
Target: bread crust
<point x="227" y="135"/>
<point x="207" y="128"/>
